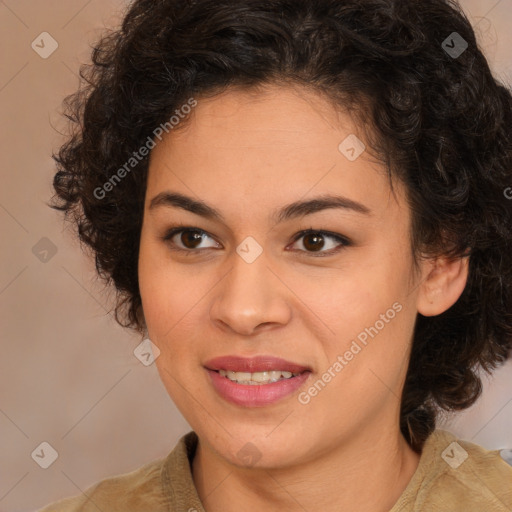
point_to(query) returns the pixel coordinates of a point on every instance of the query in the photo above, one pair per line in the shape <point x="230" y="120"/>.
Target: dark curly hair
<point x="442" y="124"/>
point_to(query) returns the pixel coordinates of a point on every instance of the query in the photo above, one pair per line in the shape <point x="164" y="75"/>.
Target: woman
<point x="303" y="206"/>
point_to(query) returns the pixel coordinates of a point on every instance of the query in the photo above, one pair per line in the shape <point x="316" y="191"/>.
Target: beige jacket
<point x="452" y="475"/>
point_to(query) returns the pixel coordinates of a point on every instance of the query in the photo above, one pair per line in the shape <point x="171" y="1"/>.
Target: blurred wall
<point x="68" y="375"/>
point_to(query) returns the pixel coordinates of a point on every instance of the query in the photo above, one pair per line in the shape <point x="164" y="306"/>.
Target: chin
<point x="261" y="447"/>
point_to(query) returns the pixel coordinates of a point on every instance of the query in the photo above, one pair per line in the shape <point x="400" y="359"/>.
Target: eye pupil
<point x="191" y="237"/>
<point x="315" y="246"/>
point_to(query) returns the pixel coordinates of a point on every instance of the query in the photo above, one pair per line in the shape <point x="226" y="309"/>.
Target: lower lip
<point x="249" y="395"/>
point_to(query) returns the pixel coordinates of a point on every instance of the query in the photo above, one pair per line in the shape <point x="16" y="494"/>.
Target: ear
<point x="444" y="284"/>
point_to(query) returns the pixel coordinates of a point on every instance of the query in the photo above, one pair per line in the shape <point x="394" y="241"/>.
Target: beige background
<point x="68" y="375"/>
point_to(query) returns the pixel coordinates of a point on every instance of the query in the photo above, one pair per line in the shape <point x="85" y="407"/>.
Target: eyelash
<point x="345" y="242"/>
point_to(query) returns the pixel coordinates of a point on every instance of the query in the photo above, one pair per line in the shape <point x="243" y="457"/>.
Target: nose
<point x="250" y="298"/>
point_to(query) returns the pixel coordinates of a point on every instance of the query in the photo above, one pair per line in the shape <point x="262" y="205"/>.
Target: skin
<point x="248" y="154"/>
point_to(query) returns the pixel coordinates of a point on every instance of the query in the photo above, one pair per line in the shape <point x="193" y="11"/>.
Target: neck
<point x="362" y="475"/>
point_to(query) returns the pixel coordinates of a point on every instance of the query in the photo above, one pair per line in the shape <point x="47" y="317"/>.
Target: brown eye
<point x="187" y="239"/>
<point x="191" y="239"/>
<point x="315" y="242"/>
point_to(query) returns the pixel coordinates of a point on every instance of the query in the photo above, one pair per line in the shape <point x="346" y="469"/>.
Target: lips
<point x="254" y="364"/>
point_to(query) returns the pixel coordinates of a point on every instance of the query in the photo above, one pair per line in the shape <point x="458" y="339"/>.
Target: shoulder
<point x="459" y="475"/>
<point x="160" y="485"/>
<point x="133" y="491"/>
<point x="480" y="471"/>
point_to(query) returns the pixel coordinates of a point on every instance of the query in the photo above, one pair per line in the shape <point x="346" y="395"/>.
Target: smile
<point x="257" y="378"/>
<point x="252" y="393"/>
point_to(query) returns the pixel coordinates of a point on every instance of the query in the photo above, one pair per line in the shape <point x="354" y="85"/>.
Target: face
<point x="339" y="300"/>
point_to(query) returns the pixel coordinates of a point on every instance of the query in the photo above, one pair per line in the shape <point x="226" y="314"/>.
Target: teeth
<point x="257" y="378"/>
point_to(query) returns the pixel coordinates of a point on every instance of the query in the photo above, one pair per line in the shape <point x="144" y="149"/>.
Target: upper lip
<point x="254" y="364"/>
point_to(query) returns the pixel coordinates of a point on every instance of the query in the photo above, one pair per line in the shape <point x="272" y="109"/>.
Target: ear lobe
<point x="443" y="286"/>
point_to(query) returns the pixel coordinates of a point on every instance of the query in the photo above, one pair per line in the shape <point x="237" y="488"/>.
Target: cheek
<point x="172" y="305"/>
<point x="167" y="306"/>
<point x="157" y="289"/>
<point x="161" y="286"/>
<point x="355" y="299"/>
<point x="370" y="305"/>
<point x="169" y="313"/>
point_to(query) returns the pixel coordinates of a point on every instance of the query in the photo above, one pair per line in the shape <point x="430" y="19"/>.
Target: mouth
<point x="257" y="378"/>
<point x="256" y="381"/>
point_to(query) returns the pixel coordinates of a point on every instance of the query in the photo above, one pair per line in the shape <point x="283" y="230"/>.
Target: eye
<point x="314" y="242"/>
<point x="190" y="238"/>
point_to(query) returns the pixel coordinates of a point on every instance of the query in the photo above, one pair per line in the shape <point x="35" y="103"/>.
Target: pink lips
<point x="255" y="395"/>
<point x="253" y="364"/>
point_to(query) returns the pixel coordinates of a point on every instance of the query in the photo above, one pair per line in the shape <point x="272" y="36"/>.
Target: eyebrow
<point x="290" y="211"/>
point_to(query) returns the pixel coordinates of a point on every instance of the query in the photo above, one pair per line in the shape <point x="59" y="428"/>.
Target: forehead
<point x="269" y="116"/>
<point x="265" y="148"/>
